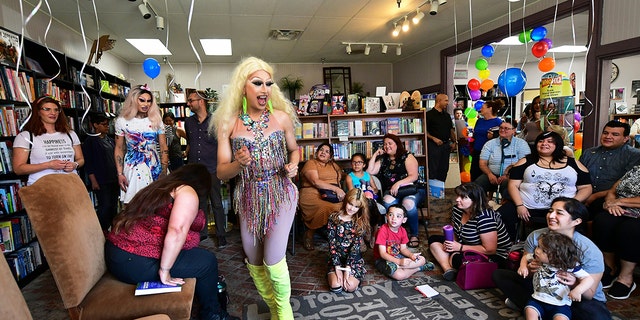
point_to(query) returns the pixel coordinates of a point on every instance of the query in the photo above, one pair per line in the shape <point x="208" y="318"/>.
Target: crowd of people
<point x="546" y="197"/>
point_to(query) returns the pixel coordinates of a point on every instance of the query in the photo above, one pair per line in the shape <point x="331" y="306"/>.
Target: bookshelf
<point x="181" y="111"/>
<point x="77" y="87"/>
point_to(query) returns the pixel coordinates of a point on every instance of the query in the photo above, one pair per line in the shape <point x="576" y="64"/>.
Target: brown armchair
<point x="69" y="233"/>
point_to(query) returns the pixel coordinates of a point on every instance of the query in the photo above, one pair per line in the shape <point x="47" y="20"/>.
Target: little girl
<point x="346" y="228"/>
<point x="556" y="253"/>
<point x="361" y="179"/>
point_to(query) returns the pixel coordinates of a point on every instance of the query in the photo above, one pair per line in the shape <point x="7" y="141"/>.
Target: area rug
<point x="397" y="300"/>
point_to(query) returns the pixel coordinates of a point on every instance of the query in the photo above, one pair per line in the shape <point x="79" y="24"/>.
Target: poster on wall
<point x="9" y="44"/>
<point x="558" y="104"/>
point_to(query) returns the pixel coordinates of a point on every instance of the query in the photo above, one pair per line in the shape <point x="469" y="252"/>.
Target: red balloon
<point x="539" y="49"/>
<point x="547" y="64"/>
<point x="473" y="84"/>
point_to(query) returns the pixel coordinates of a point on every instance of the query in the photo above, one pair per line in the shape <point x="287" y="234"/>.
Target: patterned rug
<point x="397" y="300"/>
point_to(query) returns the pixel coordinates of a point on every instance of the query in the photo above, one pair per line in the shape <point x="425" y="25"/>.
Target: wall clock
<point x="614" y="72"/>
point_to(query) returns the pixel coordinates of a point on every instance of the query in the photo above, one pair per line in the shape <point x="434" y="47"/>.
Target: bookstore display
<point x="77" y="87"/>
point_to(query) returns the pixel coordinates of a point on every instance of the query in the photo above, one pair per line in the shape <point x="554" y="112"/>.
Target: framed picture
<point x="9" y="45"/>
<point x="315" y="107"/>
<point x="616" y="94"/>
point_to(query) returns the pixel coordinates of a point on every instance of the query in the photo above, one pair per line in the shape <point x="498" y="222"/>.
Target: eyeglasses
<point x="143" y="100"/>
<point x="357" y="162"/>
<point x="47" y="109"/>
<point x="505" y="129"/>
<point x="192" y="100"/>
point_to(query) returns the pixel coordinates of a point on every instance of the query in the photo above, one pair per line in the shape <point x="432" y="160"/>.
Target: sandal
<point x="414" y="243"/>
<point x="308" y="244"/>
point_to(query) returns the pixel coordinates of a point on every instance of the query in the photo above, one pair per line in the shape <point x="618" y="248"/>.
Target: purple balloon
<point x="478" y="105"/>
<point x="475" y="94"/>
<point x="577" y="116"/>
<point x="548" y="41"/>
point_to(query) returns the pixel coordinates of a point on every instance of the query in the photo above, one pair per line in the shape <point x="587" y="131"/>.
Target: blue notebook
<point x="153" y="287"/>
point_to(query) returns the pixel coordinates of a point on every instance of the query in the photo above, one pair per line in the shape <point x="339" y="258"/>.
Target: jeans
<point x="216" y="205"/>
<point x="412" y="214"/>
<point x="195" y="263"/>
<point x="107" y="207"/>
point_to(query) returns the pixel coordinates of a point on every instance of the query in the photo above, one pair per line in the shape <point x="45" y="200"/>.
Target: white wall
<point x="629" y="71"/>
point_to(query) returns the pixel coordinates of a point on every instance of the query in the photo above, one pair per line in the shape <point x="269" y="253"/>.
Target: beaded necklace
<point x="257" y="128"/>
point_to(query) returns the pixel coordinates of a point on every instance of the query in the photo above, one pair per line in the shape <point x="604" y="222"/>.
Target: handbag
<point x="475" y="271"/>
<point x="329" y="195"/>
<point x="406" y="191"/>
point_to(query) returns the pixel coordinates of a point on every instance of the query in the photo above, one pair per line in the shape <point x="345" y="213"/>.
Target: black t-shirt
<point x="439" y="124"/>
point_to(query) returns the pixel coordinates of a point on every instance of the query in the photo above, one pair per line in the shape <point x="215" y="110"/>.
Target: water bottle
<point x="448" y="232"/>
<point x="223" y="297"/>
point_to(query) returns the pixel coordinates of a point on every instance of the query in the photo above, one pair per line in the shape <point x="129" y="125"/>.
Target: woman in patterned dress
<point x="255" y="127"/>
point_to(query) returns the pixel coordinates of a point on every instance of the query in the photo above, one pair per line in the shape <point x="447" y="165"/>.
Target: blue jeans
<point x="195" y="263"/>
<point x="412" y="215"/>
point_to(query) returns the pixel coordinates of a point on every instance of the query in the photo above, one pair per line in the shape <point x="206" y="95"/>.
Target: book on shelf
<point x="155" y="287"/>
<point x="307" y="130"/>
<point x="372" y="105"/>
<point x="353" y="103"/>
<point x="6" y="236"/>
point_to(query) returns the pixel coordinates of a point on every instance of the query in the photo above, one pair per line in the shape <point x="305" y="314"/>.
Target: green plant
<point x="357" y="87"/>
<point x="291" y="85"/>
<point x="211" y="94"/>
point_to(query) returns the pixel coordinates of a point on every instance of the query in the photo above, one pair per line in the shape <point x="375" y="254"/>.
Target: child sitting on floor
<point x="345" y="231"/>
<point x="392" y="257"/>
<point x="551" y="295"/>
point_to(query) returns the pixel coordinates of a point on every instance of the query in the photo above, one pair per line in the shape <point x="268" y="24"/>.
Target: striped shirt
<point x="488" y="221"/>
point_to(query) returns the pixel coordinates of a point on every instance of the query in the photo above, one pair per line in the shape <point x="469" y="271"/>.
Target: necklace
<point x="256" y="127"/>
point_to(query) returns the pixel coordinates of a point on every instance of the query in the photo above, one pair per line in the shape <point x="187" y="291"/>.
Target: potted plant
<point x="291" y="85"/>
<point x="357" y="88"/>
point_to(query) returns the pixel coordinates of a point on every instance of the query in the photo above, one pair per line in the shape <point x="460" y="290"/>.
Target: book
<point x="427" y="290"/>
<point x="372" y="105"/>
<point x="155" y="287"/>
<point x="353" y="105"/>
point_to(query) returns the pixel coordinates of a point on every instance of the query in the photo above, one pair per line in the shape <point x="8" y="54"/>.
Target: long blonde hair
<point x="130" y="108"/>
<point x="231" y="104"/>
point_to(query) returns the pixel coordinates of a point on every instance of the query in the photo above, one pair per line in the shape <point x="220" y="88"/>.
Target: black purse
<point x="406" y="191"/>
<point x="329" y="195"/>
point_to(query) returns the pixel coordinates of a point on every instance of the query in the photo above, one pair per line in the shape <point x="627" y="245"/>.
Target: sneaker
<point x="450" y="275"/>
<point x="427" y="266"/>
<point x="619" y="291"/>
<point x="607" y="280"/>
<point x="390" y="268"/>
<point x="511" y="305"/>
<point x="222" y="242"/>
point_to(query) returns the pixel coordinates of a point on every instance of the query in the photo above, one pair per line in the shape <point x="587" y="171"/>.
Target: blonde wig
<point x="130" y="108"/>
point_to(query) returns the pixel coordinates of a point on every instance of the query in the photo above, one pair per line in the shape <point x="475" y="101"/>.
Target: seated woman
<point x="476" y="227"/>
<point x="396" y="168"/>
<point x="360" y="179"/>
<point x="156" y="238"/>
<point x="319" y="173"/>
<point x="615" y="231"/>
<point x="537" y="179"/>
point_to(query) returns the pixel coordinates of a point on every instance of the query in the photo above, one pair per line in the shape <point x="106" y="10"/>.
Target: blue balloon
<point x="478" y="105"/>
<point x="538" y="33"/>
<point x="512" y="81"/>
<point x="487" y="51"/>
<point x="151" y="67"/>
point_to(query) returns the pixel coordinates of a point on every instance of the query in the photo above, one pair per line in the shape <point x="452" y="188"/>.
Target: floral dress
<point x="344" y="246"/>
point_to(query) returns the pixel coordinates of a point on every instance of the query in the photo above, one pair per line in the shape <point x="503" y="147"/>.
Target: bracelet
<point x="520" y="205"/>
<point x="77" y="165"/>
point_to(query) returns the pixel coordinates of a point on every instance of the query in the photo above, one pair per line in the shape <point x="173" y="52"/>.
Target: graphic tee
<point x="47" y="147"/>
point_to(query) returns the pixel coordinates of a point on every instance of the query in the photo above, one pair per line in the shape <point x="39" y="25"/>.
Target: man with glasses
<point x="202" y="147"/>
<point x="498" y="156"/>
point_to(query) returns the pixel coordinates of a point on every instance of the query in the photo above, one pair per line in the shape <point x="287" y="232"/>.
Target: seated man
<point x="498" y="156"/>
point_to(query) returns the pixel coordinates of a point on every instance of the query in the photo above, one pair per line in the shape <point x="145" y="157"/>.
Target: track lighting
<point x="434" y="7"/>
<point x="144" y="11"/>
<point x="398" y="50"/>
<point x="418" y="17"/>
<point x="159" y="23"/>
<point x="405" y="24"/>
<point x="398" y="1"/>
<point x="396" y="29"/>
<point x="367" y="47"/>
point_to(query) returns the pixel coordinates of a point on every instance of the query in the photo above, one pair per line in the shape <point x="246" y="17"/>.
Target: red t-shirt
<point x="391" y="240"/>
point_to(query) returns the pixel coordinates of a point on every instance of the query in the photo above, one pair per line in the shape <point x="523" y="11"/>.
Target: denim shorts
<point x="549" y="309"/>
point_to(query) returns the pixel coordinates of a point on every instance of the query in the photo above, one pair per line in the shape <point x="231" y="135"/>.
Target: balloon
<point x="465" y="132"/>
<point x="475" y="94"/>
<point x="481" y="64"/>
<point x="549" y="42"/>
<point x="472" y="121"/>
<point x="547" y="64"/>
<point x="483" y="74"/>
<point x="487" y="84"/>
<point x="538" y="33"/>
<point x="478" y="105"/>
<point x="577" y="143"/>
<point x="470" y="113"/>
<point x="473" y="84"/>
<point x="577" y="154"/>
<point x="488" y="50"/>
<point x="525" y="36"/>
<point x="576" y="126"/>
<point x="467" y="167"/>
<point x="151" y="67"/>
<point x="540" y="49"/>
<point x="465" y="177"/>
<point x="577" y="116"/>
<point x="512" y="81"/>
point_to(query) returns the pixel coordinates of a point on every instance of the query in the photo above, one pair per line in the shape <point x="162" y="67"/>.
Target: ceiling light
<point x="285" y="34"/>
<point x="144" y="11"/>
<point x="216" y="47"/>
<point x="150" y="47"/>
<point x="508" y="41"/>
<point x="367" y="50"/>
<point x="434" y="7"/>
<point x="396" y="29"/>
<point x="405" y="24"/>
<point x="441" y="2"/>
<point x="384" y="48"/>
<point x="398" y="50"/>
<point x="349" y="49"/>
<point x="569" y="49"/>
<point x="159" y="23"/>
<point x="514" y="0"/>
<point x="418" y="17"/>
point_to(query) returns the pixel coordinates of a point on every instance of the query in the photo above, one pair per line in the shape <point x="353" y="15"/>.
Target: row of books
<point x="359" y="128"/>
<point x="6" y="166"/>
<point x="25" y="260"/>
<point x="77" y="99"/>
<point x="9" y="199"/>
<point x="180" y="111"/>
<point x="16" y="85"/>
<point x="15" y="233"/>
<point x="11" y="118"/>
<point x="113" y="88"/>
<point x="310" y="130"/>
<point x="344" y="150"/>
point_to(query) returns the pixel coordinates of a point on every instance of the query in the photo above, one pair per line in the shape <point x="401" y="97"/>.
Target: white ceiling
<point x="326" y="24"/>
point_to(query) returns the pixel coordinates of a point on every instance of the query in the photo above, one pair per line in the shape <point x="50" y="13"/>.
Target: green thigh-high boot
<point x="279" y="275"/>
<point x="264" y="286"/>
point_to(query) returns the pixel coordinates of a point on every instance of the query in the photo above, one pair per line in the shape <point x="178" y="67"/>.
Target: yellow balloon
<point x="483" y="74"/>
<point x="467" y="167"/>
<point x="577" y="154"/>
<point x="472" y="121"/>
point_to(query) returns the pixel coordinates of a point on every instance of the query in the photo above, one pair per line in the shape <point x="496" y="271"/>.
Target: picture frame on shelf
<point x="616" y="94"/>
<point x="315" y="107"/>
<point x="10" y="44"/>
<point x="353" y="103"/>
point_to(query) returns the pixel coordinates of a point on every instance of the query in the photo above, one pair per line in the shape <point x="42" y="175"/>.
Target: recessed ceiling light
<point x="150" y="47"/>
<point x="570" y="49"/>
<point x="216" y="47"/>
<point x="509" y="41"/>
